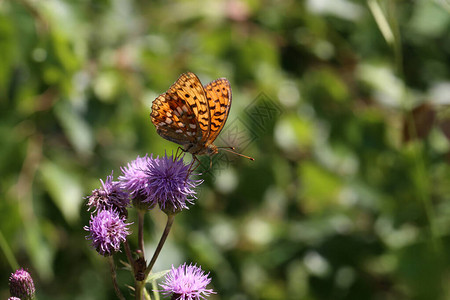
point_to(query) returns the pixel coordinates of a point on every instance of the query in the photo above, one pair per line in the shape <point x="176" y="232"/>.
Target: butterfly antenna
<point x="227" y="147"/>
<point x="238" y="154"/>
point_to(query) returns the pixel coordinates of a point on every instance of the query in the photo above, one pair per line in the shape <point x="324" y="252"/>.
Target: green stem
<point x="147" y="295"/>
<point x="112" y="267"/>
<point x="129" y="256"/>
<point x="169" y="223"/>
<point x="141" y="230"/>
<point x="8" y="252"/>
<point x="139" y="289"/>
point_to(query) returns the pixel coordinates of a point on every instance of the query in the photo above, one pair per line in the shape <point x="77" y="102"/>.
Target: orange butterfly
<point x="193" y="115"/>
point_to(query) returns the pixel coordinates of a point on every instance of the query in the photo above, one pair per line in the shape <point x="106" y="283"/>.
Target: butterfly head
<point x="211" y="149"/>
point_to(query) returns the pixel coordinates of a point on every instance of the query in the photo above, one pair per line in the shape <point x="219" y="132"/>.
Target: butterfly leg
<point x="210" y="164"/>
<point x="195" y="161"/>
<point x="178" y="153"/>
<point x="191" y="167"/>
<point x="199" y="164"/>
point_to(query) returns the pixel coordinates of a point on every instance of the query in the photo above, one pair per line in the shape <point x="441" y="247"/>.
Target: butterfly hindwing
<point x="174" y="120"/>
<point x="218" y="95"/>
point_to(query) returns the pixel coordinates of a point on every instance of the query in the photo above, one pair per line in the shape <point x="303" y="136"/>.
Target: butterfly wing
<point x="181" y="115"/>
<point x="189" y="88"/>
<point x="180" y="128"/>
<point x="218" y="95"/>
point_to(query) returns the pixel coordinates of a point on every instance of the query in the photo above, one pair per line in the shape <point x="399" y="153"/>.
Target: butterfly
<point x="193" y="115"/>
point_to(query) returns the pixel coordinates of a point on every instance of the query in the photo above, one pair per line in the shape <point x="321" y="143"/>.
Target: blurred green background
<point x="348" y="197"/>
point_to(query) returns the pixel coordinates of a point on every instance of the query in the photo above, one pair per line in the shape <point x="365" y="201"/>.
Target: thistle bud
<point x="21" y="285"/>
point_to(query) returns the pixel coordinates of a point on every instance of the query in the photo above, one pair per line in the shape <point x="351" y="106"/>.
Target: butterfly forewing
<point x="189" y="88"/>
<point x="218" y="94"/>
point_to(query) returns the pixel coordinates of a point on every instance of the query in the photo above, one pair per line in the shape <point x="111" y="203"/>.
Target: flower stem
<point x="129" y="256"/>
<point x="139" y="289"/>
<point x="147" y="295"/>
<point x="141" y="230"/>
<point x="140" y="285"/>
<point x="169" y="223"/>
<point x="112" y="267"/>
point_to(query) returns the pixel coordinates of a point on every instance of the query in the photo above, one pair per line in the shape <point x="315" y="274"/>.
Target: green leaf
<point x="155" y="276"/>
<point x="64" y="190"/>
<point x="382" y="21"/>
<point x="75" y="127"/>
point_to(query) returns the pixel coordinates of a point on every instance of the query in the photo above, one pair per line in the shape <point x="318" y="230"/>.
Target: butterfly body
<point x="209" y="149"/>
<point x="192" y="115"/>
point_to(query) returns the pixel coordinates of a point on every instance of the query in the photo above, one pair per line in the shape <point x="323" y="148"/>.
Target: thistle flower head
<point x="110" y="195"/>
<point x="135" y="180"/>
<point x="170" y="184"/>
<point x="21" y="285"/>
<point x="186" y="283"/>
<point x="107" y="231"/>
<point x="165" y="181"/>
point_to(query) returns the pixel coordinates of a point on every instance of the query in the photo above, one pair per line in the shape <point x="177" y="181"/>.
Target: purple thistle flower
<point x="21" y="285"/>
<point x="169" y="184"/>
<point x="186" y="283"/>
<point x="135" y="180"/>
<point x="13" y="298"/>
<point x="162" y="181"/>
<point x="110" y="195"/>
<point x="107" y="231"/>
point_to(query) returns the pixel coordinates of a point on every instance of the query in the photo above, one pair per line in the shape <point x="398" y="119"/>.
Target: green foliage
<point x="348" y="197"/>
